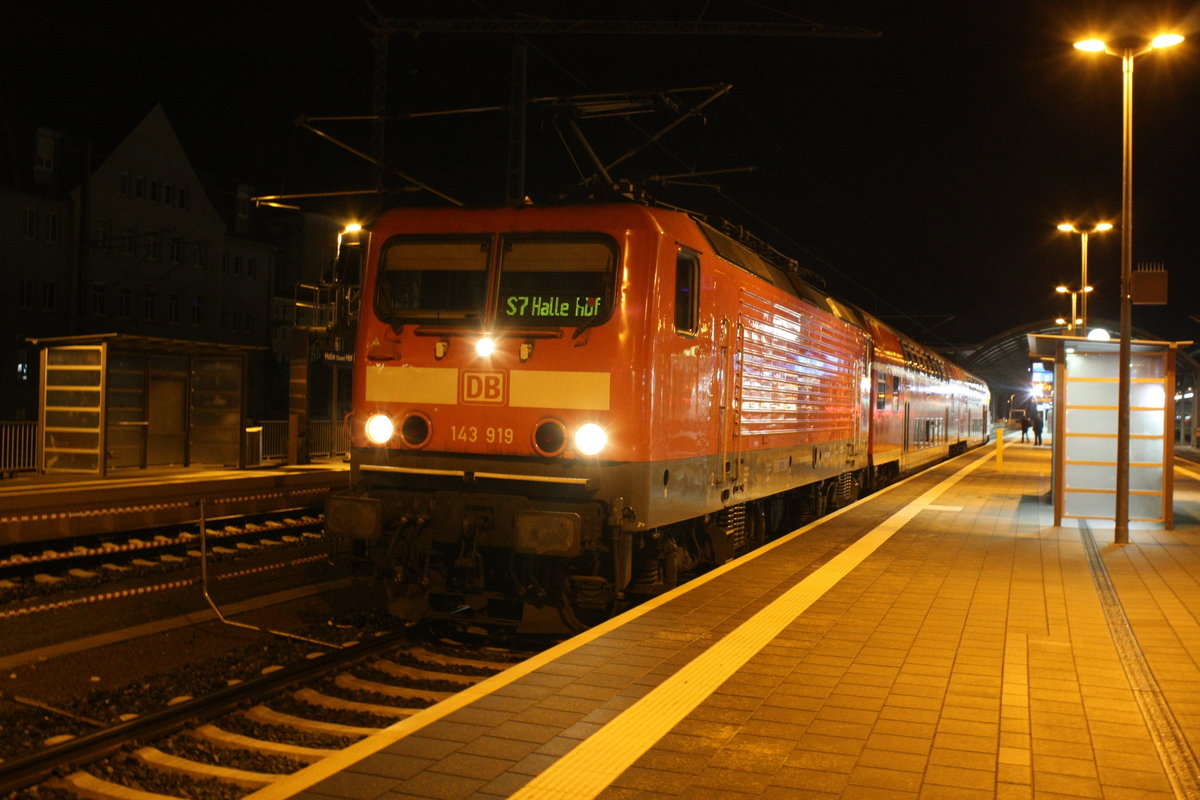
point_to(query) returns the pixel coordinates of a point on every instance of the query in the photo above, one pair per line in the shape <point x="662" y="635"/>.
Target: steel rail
<point x="24" y="771"/>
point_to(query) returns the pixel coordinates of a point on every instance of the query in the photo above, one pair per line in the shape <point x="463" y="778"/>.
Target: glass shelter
<point x="120" y="401"/>
<point x="1085" y="402"/>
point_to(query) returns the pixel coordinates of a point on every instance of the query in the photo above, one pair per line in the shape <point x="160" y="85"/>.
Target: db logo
<point x="483" y="387"/>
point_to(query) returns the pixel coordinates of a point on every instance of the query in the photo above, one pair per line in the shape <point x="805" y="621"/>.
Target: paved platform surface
<point x="941" y="639"/>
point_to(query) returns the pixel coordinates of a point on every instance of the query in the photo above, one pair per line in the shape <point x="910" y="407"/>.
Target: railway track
<point x="251" y="732"/>
<point x="78" y="571"/>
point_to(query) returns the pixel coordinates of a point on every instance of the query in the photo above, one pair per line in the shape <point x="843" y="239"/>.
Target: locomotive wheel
<point x="586" y="601"/>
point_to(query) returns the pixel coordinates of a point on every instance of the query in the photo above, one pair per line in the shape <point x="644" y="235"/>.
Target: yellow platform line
<point x="597" y="761"/>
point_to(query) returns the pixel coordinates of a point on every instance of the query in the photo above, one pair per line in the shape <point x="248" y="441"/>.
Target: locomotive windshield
<point x="433" y="278"/>
<point x="545" y="279"/>
<point x="548" y="280"/>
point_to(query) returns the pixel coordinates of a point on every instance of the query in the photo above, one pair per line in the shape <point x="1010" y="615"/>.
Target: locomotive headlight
<point x="590" y="439"/>
<point x="379" y="428"/>
<point x="485" y="347"/>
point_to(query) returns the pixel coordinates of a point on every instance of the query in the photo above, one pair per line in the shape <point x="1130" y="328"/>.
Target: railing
<point x="275" y="439"/>
<point x="325" y="438"/>
<point x="18" y="447"/>
<point x="18" y="442"/>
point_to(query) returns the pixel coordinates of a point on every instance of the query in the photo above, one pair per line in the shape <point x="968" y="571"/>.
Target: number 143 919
<point x="472" y="434"/>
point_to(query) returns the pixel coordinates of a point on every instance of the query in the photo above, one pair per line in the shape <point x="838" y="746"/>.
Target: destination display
<point x="552" y="306"/>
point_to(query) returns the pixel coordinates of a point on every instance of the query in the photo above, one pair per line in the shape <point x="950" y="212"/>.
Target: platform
<point x="41" y="508"/>
<point x="938" y="639"/>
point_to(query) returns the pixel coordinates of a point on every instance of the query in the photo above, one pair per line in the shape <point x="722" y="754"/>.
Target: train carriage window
<point x="687" y="293"/>
<point x="555" y="279"/>
<point x="433" y="277"/>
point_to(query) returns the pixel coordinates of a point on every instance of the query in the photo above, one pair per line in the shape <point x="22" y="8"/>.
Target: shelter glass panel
<point x="1145" y="507"/>
<point x="1091" y="420"/>
<point x="1148" y="395"/>
<point x="1092" y="505"/>
<point x="1091" y="476"/>
<point x="1092" y="365"/>
<point x="1093" y="448"/>
<point x="1091" y="393"/>
<point x="1146" y="423"/>
<point x="1146" y="451"/>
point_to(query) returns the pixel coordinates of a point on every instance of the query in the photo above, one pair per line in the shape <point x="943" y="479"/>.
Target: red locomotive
<point x="560" y="410"/>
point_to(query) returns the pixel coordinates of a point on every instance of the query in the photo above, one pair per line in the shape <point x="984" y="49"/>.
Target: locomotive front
<point x="498" y="393"/>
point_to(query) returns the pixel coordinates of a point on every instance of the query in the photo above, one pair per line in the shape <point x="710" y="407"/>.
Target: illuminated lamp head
<point x="590" y="439"/>
<point x="485" y="347"/>
<point x="379" y="428"/>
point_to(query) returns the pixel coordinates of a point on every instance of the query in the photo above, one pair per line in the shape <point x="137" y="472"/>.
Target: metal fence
<point x="326" y="438"/>
<point x="18" y="447"/>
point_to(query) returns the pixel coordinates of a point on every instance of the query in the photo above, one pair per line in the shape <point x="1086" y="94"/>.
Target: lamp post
<point x="1100" y="227"/>
<point x="1082" y="294"/>
<point x="1127" y="53"/>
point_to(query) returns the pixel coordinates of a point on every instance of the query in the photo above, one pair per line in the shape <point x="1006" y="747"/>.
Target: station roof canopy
<point x="1003" y="360"/>
<point x="146" y="344"/>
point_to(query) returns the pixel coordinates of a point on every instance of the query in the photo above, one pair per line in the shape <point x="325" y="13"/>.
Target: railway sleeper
<point x="236" y="741"/>
<point x="88" y="786"/>
<point x="153" y="757"/>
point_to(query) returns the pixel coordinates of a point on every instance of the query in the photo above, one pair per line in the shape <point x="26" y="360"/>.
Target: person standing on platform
<point x="1024" y="427"/>
<point x="1037" y="429"/>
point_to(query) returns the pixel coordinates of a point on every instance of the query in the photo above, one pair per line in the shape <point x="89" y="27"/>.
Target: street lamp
<point x="1100" y="227"/>
<point x="1082" y="294"/>
<point x="1127" y="54"/>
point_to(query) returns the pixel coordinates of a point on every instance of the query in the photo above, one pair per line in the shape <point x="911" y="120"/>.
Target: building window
<point x="183" y="197"/>
<point x="173" y="308"/>
<point x="154" y="190"/>
<point x="237" y="265"/>
<point x="150" y="306"/>
<point x="49" y="296"/>
<point x="125" y="302"/>
<point x="168" y="194"/>
<point x="176" y="249"/>
<point x="126" y="181"/>
<point x="139" y="187"/>
<point x="197" y="311"/>
<point x="54" y="227"/>
<point x="201" y="255"/>
<point x="31" y="223"/>
<point x="97" y="298"/>
<point x="44" y="152"/>
<point x="102" y="238"/>
<point x="251" y="266"/>
<point x="24" y="368"/>
<point x="25" y="293"/>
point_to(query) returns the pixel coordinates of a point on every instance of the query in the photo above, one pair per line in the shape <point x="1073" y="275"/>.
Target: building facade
<point x="133" y="245"/>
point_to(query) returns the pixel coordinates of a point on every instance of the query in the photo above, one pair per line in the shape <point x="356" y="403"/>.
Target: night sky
<point x="922" y="173"/>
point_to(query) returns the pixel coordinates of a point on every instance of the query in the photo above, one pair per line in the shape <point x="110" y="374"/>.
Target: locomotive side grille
<point x="733" y="521"/>
<point x="799" y="370"/>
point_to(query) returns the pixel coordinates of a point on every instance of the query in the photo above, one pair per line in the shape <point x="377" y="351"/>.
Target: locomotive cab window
<point x="424" y="277"/>
<point x="687" y="293"/>
<point x="556" y="280"/>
